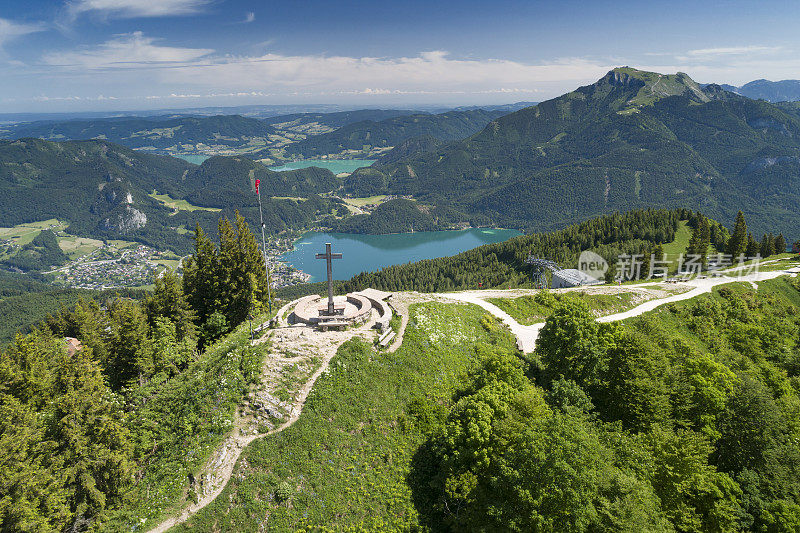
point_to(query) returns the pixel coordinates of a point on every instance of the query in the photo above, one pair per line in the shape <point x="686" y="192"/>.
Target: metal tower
<point x="539" y="270"/>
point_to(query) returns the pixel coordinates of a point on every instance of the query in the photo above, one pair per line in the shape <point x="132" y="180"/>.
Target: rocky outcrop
<point x="124" y="220"/>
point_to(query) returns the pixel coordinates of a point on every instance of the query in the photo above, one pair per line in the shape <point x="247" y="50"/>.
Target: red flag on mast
<point x="258" y="182"/>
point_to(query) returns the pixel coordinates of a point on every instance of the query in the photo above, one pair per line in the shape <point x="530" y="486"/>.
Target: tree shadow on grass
<point x="423" y="492"/>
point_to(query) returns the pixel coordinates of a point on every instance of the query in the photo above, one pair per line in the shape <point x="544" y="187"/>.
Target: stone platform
<point x="352" y="309"/>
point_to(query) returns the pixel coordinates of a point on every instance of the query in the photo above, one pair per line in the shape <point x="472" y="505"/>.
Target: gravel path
<point x="527" y="335"/>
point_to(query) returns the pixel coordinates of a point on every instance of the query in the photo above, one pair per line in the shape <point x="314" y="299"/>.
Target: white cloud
<point x="11" y="30"/>
<point x="733" y="64"/>
<point x="249" y="17"/>
<point x="197" y="72"/>
<point x="128" y="51"/>
<point x="136" y="8"/>
<point x="732" y="51"/>
<point x="432" y="71"/>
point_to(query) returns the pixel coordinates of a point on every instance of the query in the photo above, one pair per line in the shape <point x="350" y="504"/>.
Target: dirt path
<point x="527" y="335"/>
<point x="220" y="466"/>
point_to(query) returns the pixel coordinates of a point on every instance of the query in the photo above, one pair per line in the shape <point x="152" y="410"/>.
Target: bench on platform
<point x="386" y="339"/>
<point x="332" y="324"/>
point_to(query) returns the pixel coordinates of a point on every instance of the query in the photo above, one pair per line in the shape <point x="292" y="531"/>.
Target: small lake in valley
<point x="362" y="253"/>
<point x="337" y="166"/>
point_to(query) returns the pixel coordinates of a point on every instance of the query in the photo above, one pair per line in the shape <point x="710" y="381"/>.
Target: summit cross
<point x="329" y="257"/>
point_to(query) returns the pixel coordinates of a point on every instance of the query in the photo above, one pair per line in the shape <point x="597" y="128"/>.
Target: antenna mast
<point x="264" y="249"/>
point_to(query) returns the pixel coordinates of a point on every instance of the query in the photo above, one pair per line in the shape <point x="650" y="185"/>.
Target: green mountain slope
<point x="633" y="139"/>
<point x="105" y="191"/>
<point x="448" y="126"/>
<point x="224" y="181"/>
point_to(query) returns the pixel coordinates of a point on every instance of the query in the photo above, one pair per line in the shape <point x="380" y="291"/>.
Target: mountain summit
<point x="632" y="139"/>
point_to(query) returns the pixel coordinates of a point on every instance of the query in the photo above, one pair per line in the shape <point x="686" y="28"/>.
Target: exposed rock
<point x="125" y="220"/>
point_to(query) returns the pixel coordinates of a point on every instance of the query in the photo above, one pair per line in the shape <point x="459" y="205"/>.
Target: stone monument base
<point x="350" y="310"/>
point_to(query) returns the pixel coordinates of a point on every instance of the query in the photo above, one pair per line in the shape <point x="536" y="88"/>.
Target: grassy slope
<point x="678" y="246"/>
<point x="181" y="205"/>
<point x="347" y="457"/>
<point x="527" y="310"/>
<point x="663" y="323"/>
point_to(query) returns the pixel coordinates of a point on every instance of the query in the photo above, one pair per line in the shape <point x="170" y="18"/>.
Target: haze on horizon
<point x="85" y="55"/>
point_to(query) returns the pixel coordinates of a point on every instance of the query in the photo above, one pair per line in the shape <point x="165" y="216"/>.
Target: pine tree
<point x="737" y="244"/>
<point x="245" y="276"/>
<point x="34" y="497"/>
<point x="201" y="276"/>
<point x="753" y="248"/>
<point x="780" y="244"/>
<point x="130" y="334"/>
<point x="700" y="240"/>
<point x="646" y="263"/>
<point x="767" y="247"/>
<point x="169" y="301"/>
<point x="89" y="434"/>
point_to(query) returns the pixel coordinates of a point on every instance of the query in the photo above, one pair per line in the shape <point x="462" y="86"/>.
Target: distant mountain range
<point x="633" y="139"/>
<point x="771" y="91"/>
<point x="276" y="139"/>
<point x="368" y="135"/>
<point x="157" y="134"/>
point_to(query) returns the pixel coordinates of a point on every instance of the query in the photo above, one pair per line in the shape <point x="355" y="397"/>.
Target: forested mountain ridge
<point x="503" y="264"/>
<point x="319" y="133"/>
<point x="225" y="181"/>
<point x="633" y="139"/>
<point x="449" y="126"/>
<point x="105" y="191"/>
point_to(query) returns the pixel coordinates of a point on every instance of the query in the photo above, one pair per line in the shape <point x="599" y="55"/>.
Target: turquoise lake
<point x="362" y="253"/>
<point x="193" y="158"/>
<point x="337" y="166"/>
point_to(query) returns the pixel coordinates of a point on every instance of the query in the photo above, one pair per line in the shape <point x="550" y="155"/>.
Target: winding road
<point x="527" y="335"/>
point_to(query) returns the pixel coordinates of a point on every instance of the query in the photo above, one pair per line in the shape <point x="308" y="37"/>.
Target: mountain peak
<point x="652" y="86"/>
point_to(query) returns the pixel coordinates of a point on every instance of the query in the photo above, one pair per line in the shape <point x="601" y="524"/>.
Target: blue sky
<point x="58" y="55"/>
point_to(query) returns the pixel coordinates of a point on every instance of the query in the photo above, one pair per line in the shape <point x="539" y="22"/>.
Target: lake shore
<point x="367" y="252"/>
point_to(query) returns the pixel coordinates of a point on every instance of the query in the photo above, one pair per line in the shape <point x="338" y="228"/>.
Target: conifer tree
<point x="780" y="244"/>
<point x="34" y="497"/>
<point x="130" y="334"/>
<point x="88" y="430"/>
<point x="201" y="276"/>
<point x="767" y="247"/>
<point x="753" y="248"/>
<point x="169" y="301"/>
<point x="646" y="261"/>
<point x="245" y="275"/>
<point x="737" y="244"/>
<point x="700" y="240"/>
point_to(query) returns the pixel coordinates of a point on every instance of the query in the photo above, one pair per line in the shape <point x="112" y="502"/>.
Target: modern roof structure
<point x="571" y="277"/>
